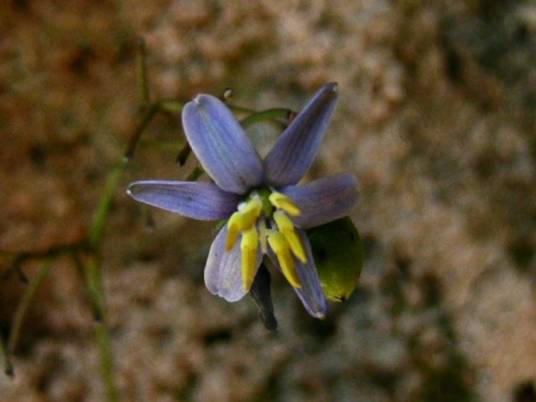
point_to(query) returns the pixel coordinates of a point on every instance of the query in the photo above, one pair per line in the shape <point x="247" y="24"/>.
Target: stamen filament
<point x="263" y="232"/>
<point x="281" y="248"/>
<point x="281" y="201"/>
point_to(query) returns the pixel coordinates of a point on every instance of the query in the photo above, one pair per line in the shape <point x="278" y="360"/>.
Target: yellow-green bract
<point x="338" y="254"/>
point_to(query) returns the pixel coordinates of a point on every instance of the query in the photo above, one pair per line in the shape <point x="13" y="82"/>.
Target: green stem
<point x="151" y="110"/>
<point x="5" y="361"/>
<point x="272" y="115"/>
<point x="94" y="279"/>
<point x="170" y="105"/>
<point x="95" y="288"/>
<point x="105" y="204"/>
<point x="136" y="135"/>
<point x="53" y="251"/>
<point x="240" y="109"/>
<point x="106" y="361"/>
<point x="142" y="73"/>
<point x="22" y="308"/>
<point x="195" y="174"/>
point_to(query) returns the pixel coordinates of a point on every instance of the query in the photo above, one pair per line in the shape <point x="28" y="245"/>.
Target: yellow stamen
<point x="243" y="219"/>
<point x="286" y="227"/>
<point x="252" y="208"/>
<point x="281" y="248"/>
<point x="249" y="245"/>
<point x="234" y="225"/>
<point x="283" y="202"/>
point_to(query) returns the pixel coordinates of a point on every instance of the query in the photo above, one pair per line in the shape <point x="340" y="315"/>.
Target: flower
<point x="266" y="212"/>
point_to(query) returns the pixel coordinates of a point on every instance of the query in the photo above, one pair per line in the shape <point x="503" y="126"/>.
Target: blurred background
<point x="436" y="118"/>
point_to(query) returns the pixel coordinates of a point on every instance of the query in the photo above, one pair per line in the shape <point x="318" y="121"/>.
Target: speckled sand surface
<point x="436" y="119"/>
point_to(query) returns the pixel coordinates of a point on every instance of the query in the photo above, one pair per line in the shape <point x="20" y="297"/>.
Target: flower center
<point x="260" y="226"/>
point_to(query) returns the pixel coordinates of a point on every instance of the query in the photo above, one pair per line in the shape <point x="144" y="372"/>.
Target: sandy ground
<point x="436" y="119"/>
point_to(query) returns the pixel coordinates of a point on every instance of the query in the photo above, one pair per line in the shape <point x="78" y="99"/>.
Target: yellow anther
<point x="251" y="208"/>
<point x="286" y="227"/>
<point x="234" y="227"/>
<point x="249" y="245"/>
<point x="243" y="219"/>
<point x="281" y="248"/>
<point x="281" y="201"/>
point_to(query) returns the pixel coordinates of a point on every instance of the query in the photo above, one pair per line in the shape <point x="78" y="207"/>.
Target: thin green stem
<point x="143" y="82"/>
<point x="136" y="135"/>
<point x="101" y="215"/>
<point x="170" y="105"/>
<point x="278" y="116"/>
<point x="94" y="279"/>
<point x="95" y="288"/>
<point x="106" y="361"/>
<point x="240" y="109"/>
<point x="5" y="361"/>
<point x="15" y="269"/>
<point x="19" y="257"/>
<point x="24" y="304"/>
<point x="195" y="174"/>
<point x="90" y="293"/>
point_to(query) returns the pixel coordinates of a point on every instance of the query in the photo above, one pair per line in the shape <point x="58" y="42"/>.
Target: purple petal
<point x="202" y="201"/>
<point x="323" y="200"/>
<point x="223" y="270"/>
<point x="221" y="145"/>
<point x="294" y="152"/>
<point x="310" y="294"/>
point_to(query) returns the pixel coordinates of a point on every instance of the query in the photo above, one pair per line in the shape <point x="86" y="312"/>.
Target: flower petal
<point x="221" y="145"/>
<point x="294" y="152"/>
<point x="202" y="201"/>
<point x="323" y="200"/>
<point x="223" y="270"/>
<point x="310" y="293"/>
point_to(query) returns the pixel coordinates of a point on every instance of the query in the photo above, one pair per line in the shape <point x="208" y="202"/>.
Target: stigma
<point x="263" y="221"/>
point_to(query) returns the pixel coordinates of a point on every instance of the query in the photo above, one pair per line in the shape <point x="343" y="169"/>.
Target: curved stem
<point x="136" y="135"/>
<point x="5" y="361"/>
<point x="94" y="279"/>
<point x="279" y="116"/>
<point x="105" y="203"/>
<point x="24" y="304"/>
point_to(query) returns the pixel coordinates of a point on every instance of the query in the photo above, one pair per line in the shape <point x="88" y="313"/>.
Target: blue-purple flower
<point x="266" y="212"/>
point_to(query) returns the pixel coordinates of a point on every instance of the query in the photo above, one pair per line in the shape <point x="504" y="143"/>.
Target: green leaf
<point x="338" y="254"/>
